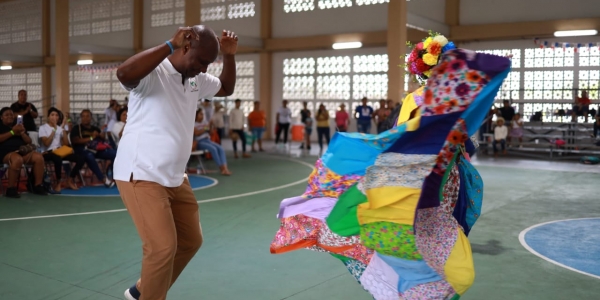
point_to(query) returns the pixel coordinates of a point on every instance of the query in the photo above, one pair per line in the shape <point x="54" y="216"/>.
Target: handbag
<point x="96" y="144"/>
<point x="63" y="151"/>
<point x="26" y="149"/>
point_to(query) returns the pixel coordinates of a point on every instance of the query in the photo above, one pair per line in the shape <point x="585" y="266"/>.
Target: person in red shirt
<point x="581" y="107"/>
<point x="342" y="119"/>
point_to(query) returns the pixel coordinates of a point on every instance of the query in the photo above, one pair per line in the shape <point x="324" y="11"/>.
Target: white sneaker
<point x="128" y="295"/>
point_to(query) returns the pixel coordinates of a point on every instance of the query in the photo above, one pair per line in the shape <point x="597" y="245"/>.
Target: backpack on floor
<point x="590" y="160"/>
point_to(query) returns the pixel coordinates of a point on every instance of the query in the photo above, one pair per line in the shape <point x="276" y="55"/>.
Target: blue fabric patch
<point x="460" y="209"/>
<point x="352" y="153"/>
<point x="411" y="272"/>
<point x="429" y="138"/>
<point x="474" y="191"/>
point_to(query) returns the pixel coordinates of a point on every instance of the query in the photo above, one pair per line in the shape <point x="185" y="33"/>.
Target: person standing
<point x="363" y="115"/>
<point x="284" y="118"/>
<point x="342" y="120"/>
<point x="257" y="120"/>
<point x="165" y="83"/>
<point x="236" y="128"/>
<point x="304" y="115"/>
<point x="25" y="109"/>
<point x="218" y="121"/>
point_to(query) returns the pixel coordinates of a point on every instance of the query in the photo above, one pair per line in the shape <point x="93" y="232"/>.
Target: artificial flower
<point x="422" y="66"/>
<point x="434" y="48"/>
<point x="427" y="42"/>
<point x="419" y="46"/>
<point x="448" y="47"/>
<point x="413" y="55"/>
<point x="427" y="73"/>
<point x="440" y="39"/>
<point x="430" y="59"/>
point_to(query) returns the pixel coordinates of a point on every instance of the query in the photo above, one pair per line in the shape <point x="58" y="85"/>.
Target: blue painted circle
<point x="197" y="182"/>
<point x="572" y="243"/>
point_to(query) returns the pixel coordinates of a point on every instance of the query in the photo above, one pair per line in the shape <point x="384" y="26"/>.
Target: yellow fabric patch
<point x="408" y="105"/>
<point x="459" y="268"/>
<point x="394" y="204"/>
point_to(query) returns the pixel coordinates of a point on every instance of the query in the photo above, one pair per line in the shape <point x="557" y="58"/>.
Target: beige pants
<point x="168" y="222"/>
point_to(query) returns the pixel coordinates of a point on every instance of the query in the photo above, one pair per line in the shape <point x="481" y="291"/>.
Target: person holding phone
<point x="15" y="150"/>
<point x="25" y="109"/>
<point x="165" y="83"/>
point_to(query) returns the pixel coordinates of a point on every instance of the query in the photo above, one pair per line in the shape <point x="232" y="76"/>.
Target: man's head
<point x="364" y="101"/>
<point x="206" y="103"/>
<point x="22" y="94"/>
<point x="238" y="102"/>
<point x="305" y="104"/>
<point x="506" y="103"/>
<point x="256" y="105"/>
<point x="284" y="103"/>
<point x="86" y="117"/>
<point x="194" y="57"/>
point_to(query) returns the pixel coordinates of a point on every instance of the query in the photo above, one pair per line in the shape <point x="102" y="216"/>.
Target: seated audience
<point x="117" y="129"/>
<point x="500" y="134"/>
<point x="90" y="142"/>
<point x="52" y="137"/>
<point x="16" y="149"/>
<point x="202" y="136"/>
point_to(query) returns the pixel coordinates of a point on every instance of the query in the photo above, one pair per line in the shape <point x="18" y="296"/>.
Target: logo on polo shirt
<point x="193" y="85"/>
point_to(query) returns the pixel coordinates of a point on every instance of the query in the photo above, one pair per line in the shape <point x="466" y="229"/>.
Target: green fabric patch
<point x="391" y="239"/>
<point x="340" y="257"/>
<point x="456" y="297"/>
<point x="343" y="219"/>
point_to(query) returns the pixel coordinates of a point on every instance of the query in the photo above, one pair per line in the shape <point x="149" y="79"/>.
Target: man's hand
<point x="183" y="37"/>
<point x="18" y="129"/>
<point x="228" y="43"/>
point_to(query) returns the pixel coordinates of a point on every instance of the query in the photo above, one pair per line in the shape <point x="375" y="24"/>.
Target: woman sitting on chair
<point x="16" y="149"/>
<point x="52" y="137"/>
<point x="202" y="136"/>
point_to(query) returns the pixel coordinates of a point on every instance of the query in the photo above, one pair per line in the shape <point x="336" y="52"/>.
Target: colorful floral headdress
<point x="426" y="55"/>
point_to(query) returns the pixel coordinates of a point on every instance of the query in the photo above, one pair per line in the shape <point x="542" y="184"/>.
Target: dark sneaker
<point x="12" y="193"/>
<point x="132" y="293"/>
<point x="40" y="190"/>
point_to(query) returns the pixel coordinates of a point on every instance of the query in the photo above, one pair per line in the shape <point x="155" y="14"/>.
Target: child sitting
<point x="500" y="134"/>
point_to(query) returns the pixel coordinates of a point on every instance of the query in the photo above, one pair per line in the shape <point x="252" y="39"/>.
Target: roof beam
<point x="368" y="39"/>
<point x="519" y="30"/>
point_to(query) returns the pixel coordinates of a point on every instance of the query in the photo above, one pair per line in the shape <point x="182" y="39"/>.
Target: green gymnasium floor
<point x="77" y="255"/>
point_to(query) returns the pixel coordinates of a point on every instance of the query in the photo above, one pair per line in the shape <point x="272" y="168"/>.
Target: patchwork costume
<point x="397" y="208"/>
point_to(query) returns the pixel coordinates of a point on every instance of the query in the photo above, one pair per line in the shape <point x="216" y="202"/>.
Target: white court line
<point x="305" y="180"/>
<point x="214" y="182"/>
<point x="524" y="244"/>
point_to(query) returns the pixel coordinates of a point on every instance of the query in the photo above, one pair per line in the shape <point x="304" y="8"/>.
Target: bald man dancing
<point x="165" y="83"/>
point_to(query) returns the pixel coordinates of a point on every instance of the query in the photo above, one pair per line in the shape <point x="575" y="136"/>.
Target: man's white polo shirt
<point x="157" y="140"/>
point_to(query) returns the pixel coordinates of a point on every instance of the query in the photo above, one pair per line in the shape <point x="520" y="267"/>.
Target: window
<point x="326" y="4"/>
<point x="92" y="89"/>
<point x="549" y="85"/>
<point x="11" y="84"/>
<point x="334" y="80"/>
<point x="88" y="17"/>
<point x="21" y="21"/>
<point x="167" y="13"/>
<point x="589" y="57"/>
<point x="244" y="85"/>
<point x="291" y="6"/>
<point x="214" y="10"/>
<point x="589" y="80"/>
<point x="549" y="58"/>
<point x="369" y="2"/>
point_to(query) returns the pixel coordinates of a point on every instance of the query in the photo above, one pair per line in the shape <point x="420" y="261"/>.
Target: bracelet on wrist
<point x="170" y="46"/>
<point x="12" y="132"/>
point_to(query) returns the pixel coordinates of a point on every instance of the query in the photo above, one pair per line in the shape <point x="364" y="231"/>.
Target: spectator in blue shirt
<point x="364" y="115"/>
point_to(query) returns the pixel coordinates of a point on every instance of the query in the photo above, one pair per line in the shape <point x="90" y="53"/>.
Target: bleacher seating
<point x="539" y="140"/>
